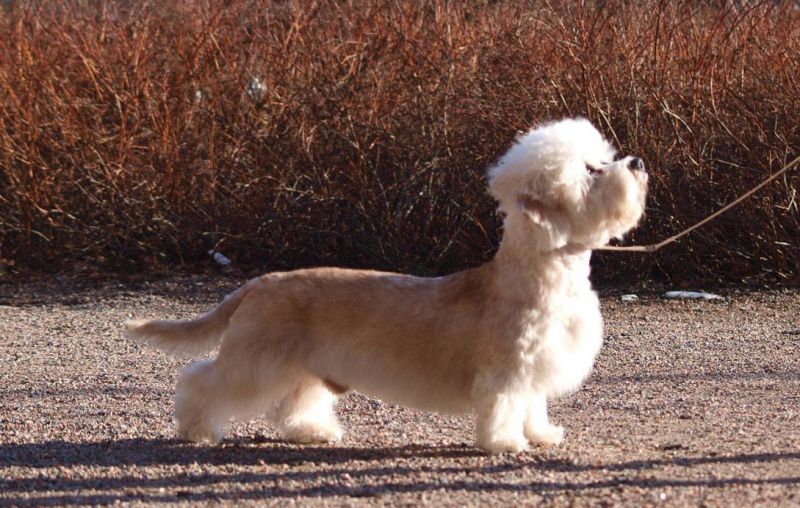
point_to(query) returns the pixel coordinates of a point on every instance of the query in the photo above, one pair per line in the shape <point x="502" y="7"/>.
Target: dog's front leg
<point x="538" y="428"/>
<point x="500" y="415"/>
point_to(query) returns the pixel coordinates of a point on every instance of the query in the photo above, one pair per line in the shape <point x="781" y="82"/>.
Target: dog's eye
<point x="593" y="170"/>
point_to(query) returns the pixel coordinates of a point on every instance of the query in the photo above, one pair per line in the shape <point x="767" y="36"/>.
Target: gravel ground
<point x="690" y="403"/>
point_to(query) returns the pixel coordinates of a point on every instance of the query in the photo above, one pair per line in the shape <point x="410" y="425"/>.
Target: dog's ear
<point x="535" y="210"/>
<point x="551" y="223"/>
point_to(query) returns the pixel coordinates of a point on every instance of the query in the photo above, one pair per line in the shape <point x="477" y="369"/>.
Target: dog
<point x="497" y="340"/>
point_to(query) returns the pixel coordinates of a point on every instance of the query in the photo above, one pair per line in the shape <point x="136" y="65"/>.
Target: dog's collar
<point x="572" y="249"/>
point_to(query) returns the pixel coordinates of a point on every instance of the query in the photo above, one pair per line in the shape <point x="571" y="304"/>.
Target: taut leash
<point x="655" y="246"/>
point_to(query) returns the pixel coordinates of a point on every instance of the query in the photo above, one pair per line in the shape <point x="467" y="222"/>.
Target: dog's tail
<point x="188" y="338"/>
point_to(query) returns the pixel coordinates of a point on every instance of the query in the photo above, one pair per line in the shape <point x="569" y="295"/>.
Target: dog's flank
<point x="497" y="340"/>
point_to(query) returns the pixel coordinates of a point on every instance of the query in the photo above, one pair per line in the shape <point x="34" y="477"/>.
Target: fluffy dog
<point x="497" y="340"/>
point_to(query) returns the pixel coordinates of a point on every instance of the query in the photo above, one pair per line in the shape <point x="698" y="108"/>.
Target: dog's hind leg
<point x="537" y="427"/>
<point x="238" y="383"/>
<point x="198" y="405"/>
<point x="306" y="414"/>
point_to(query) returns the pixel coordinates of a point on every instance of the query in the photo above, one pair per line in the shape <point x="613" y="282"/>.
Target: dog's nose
<point x="636" y="164"/>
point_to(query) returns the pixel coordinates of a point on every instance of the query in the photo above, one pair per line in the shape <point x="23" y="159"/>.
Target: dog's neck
<point x="522" y="267"/>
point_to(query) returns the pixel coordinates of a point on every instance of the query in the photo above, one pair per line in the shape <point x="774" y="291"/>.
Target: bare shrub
<point x="135" y="135"/>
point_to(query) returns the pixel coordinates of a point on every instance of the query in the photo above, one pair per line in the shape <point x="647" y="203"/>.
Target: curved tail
<point x="188" y="338"/>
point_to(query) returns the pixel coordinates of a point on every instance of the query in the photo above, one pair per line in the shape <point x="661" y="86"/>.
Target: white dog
<point x="497" y="340"/>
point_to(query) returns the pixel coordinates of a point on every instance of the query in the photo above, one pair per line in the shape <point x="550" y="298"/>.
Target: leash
<point x="655" y="246"/>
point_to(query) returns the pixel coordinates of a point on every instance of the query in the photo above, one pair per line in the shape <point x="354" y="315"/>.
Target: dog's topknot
<point x="555" y="153"/>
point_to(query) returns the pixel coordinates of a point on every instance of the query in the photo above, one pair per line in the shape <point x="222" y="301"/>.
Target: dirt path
<point x="690" y="403"/>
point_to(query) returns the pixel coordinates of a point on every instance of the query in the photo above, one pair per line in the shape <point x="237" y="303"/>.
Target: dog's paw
<point x="306" y="433"/>
<point x="505" y="445"/>
<point x="546" y="435"/>
<point x="200" y="434"/>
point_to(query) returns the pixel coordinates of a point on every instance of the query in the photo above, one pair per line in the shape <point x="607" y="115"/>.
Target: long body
<point x="422" y="342"/>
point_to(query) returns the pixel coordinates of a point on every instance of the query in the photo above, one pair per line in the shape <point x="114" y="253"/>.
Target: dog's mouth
<point x="642" y="177"/>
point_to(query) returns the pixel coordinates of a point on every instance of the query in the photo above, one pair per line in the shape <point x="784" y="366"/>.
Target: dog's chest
<point x="560" y="341"/>
<point x="569" y="316"/>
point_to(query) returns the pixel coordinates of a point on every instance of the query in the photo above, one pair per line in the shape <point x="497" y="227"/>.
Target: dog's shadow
<point x="314" y="467"/>
<point x="314" y="471"/>
<point x="241" y="451"/>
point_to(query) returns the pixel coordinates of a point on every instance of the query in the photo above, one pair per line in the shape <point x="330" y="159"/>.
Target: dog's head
<point x="560" y="184"/>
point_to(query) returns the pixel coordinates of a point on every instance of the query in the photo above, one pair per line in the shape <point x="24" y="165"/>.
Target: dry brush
<point x="139" y="135"/>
